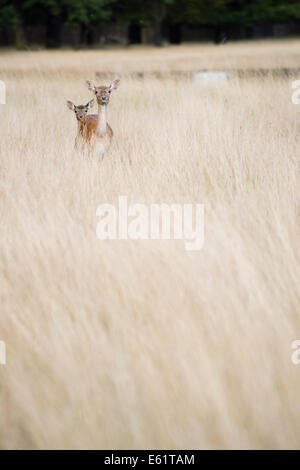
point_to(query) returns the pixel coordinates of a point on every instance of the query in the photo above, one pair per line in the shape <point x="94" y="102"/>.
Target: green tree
<point x="148" y="13"/>
<point x="53" y="14"/>
<point x="88" y="13"/>
<point x="223" y="13"/>
<point x="209" y="12"/>
<point x="18" y="15"/>
<point x="145" y="13"/>
<point x="7" y="14"/>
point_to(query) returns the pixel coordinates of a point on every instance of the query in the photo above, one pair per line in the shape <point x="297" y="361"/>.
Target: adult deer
<point x="97" y="131"/>
<point x="80" y="113"/>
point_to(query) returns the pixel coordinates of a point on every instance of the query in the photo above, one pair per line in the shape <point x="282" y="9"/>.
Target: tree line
<point x="53" y="14"/>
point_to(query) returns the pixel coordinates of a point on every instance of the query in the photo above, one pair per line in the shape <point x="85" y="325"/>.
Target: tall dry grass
<point x="141" y="344"/>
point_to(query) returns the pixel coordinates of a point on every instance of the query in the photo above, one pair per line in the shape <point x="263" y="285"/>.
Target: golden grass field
<point x="141" y="344"/>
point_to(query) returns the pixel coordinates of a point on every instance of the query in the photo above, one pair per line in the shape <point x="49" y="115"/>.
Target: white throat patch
<point x="102" y="127"/>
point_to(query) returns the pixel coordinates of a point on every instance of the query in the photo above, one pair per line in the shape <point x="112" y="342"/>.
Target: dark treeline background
<point x="81" y="23"/>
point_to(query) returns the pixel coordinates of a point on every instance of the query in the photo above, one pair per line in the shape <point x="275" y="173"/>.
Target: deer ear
<point x="114" y="85"/>
<point x="90" y="85"/>
<point x="91" y="103"/>
<point x="70" y="105"/>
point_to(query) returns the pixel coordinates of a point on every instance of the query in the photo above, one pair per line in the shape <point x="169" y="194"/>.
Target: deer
<point x="97" y="132"/>
<point x="81" y="114"/>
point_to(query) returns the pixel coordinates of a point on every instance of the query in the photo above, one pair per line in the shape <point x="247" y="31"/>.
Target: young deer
<point x="81" y="114"/>
<point x="97" y="131"/>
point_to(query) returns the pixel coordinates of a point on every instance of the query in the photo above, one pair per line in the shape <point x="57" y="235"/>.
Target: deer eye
<point x="109" y="91"/>
<point x="96" y="92"/>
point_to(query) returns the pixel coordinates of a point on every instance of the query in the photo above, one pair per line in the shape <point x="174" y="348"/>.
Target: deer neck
<point x="78" y="127"/>
<point x="102" y="122"/>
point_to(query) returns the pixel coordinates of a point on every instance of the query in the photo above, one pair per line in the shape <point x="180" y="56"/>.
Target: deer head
<point x="102" y="93"/>
<point x="80" y="110"/>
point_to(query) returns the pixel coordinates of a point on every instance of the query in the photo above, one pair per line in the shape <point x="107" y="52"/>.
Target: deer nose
<point x="81" y="116"/>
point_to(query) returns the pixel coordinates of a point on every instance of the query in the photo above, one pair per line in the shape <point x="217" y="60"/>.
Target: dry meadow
<point x="142" y="344"/>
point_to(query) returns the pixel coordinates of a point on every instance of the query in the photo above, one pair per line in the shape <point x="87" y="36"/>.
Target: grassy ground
<point x="141" y="344"/>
